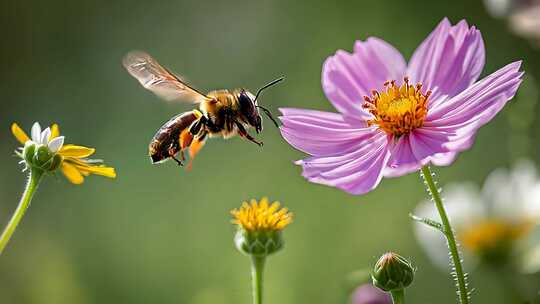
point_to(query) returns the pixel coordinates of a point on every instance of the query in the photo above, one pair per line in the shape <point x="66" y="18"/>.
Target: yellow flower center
<point x="490" y="235"/>
<point x="398" y="110"/>
<point x="262" y="216"/>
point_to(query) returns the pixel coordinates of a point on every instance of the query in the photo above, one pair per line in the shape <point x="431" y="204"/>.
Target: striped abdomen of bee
<point x="166" y="141"/>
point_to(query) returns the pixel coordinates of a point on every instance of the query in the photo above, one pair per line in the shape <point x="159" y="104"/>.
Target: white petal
<point x="502" y="197"/>
<point x="45" y="134"/>
<point x="36" y="132"/>
<point x="56" y="144"/>
<point x="513" y="195"/>
<point x="527" y="184"/>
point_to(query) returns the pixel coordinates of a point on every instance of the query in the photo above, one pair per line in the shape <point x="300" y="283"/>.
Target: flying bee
<point x="221" y="113"/>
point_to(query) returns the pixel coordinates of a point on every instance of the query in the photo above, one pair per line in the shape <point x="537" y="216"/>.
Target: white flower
<point x="45" y="151"/>
<point x="46" y="137"/>
<point x="491" y="223"/>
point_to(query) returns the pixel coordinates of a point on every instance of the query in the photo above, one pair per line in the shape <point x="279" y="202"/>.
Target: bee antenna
<point x="271" y="83"/>
<point x="269" y="114"/>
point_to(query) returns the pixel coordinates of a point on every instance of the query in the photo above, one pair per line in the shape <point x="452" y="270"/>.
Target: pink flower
<point x="397" y="117"/>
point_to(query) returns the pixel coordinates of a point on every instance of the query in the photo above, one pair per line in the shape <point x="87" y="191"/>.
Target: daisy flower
<point x="396" y="117"/>
<point x="261" y="216"/>
<point x="259" y="227"/>
<point x="71" y="159"/>
<point x="493" y="224"/>
<point x="44" y="153"/>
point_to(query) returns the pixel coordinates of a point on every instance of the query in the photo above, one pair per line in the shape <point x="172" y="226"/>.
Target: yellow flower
<point x="73" y="159"/>
<point x="489" y="234"/>
<point x="259" y="227"/>
<point x="261" y="216"/>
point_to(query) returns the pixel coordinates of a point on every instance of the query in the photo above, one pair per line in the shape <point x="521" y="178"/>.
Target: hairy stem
<point x="31" y="187"/>
<point x="449" y="234"/>
<point x="257" y="270"/>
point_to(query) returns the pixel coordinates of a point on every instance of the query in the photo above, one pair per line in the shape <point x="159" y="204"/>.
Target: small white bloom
<point x="43" y="137"/>
<point x="56" y="143"/>
<point x="506" y="209"/>
<point x="36" y="132"/>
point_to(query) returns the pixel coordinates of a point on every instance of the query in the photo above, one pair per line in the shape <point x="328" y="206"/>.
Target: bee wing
<point x="159" y="80"/>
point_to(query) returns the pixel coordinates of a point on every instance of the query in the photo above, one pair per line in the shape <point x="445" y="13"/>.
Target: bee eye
<point x="247" y="108"/>
<point x="245" y="102"/>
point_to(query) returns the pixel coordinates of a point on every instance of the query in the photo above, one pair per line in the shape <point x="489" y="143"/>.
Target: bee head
<point x="249" y="109"/>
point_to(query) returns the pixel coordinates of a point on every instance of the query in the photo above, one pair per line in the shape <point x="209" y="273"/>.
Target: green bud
<point x="29" y="151"/>
<point x="40" y="157"/>
<point x="392" y="272"/>
<point x="54" y="163"/>
<point x="258" y="243"/>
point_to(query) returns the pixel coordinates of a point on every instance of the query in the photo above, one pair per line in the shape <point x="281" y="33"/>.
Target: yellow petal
<point x="19" y="133"/>
<point x="76" y="151"/>
<point x="98" y="170"/>
<point x="55" y="132"/>
<point x="72" y="173"/>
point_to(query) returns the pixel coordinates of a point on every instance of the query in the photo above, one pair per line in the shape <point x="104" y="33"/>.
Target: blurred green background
<point x="158" y="234"/>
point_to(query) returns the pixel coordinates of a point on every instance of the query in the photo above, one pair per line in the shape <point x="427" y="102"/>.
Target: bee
<point x="221" y="113"/>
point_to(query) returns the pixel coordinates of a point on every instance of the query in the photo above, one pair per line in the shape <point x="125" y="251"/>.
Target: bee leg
<point x="243" y="133"/>
<point x="197" y="125"/>
<point x="172" y="154"/>
<point x="177" y="160"/>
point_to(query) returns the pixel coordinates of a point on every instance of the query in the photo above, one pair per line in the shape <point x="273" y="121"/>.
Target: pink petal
<point x="460" y="117"/>
<point x="443" y="159"/>
<point x="347" y="78"/>
<point x="322" y="133"/>
<point x="449" y="60"/>
<point x="356" y="172"/>
<point x="416" y="149"/>
<point x="402" y="160"/>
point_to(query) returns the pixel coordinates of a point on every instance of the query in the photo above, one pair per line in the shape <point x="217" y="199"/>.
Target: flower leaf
<point x="427" y="221"/>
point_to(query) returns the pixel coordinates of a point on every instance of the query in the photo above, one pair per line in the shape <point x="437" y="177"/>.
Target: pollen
<point x="489" y="235"/>
<point x="261" y="216"/>
<point x="398" y="110"/>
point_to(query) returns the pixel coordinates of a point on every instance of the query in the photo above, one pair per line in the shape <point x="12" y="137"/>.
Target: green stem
<point x="449" y="233"/>
<point x="31" y="187"/>
<point x="257" y="269"/>
<point x="398" y="296"/>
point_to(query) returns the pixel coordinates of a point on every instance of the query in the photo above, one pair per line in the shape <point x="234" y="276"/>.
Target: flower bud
<point x="29" y="151"/>
<point x="392" y="272"/>
<point x="258" y="243"/>
<point x="40" y="157"/>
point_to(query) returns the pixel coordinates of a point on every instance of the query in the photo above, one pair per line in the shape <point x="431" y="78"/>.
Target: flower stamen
<point x="262" y="216"/>
<point x="397" y="110"/>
